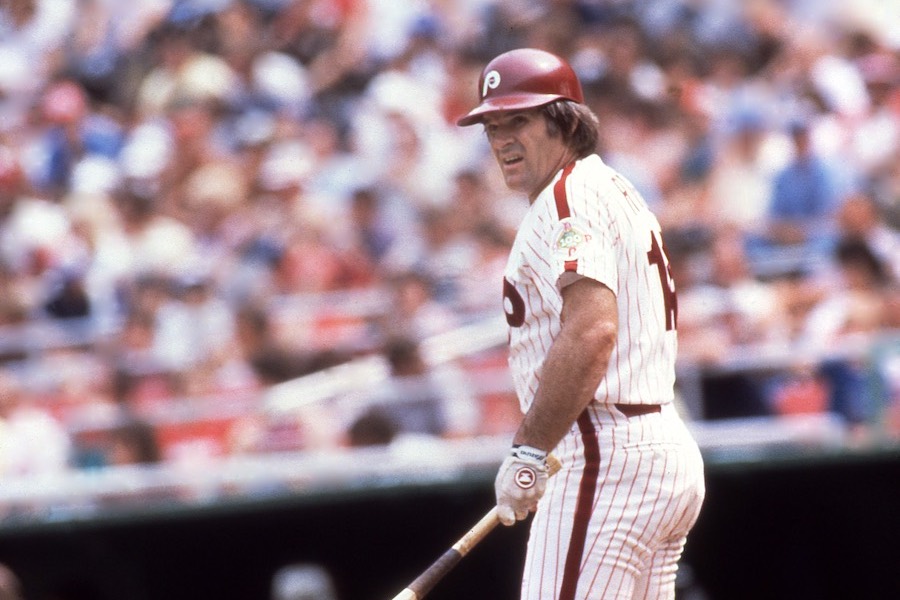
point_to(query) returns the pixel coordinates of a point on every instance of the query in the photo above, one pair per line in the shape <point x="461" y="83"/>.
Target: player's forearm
<point x="576" y="363"/>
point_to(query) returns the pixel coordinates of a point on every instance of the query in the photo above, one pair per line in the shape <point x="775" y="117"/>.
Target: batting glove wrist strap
<point x="524" y="452"/>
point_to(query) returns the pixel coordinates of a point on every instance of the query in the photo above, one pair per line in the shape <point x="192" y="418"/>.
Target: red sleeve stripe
<point x="562" y="205"/>
<point x="559" y="193"/>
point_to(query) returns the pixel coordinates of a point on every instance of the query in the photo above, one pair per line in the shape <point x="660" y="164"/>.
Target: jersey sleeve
<point x="584" y="235"/>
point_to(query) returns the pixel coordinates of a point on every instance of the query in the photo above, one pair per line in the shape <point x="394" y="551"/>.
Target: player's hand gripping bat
<point x="425" y="582"/>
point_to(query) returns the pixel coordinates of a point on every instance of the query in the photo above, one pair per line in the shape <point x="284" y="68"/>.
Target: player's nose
<point x="504" y="145"/>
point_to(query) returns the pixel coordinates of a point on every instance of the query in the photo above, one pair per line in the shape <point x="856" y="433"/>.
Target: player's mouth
<point x="511" y="160"/>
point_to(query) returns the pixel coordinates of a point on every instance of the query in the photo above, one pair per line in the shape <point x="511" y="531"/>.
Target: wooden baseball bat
<point x="425" y="582"/>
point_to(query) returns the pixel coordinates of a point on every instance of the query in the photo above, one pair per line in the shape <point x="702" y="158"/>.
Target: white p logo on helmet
<point x="491" y="82"/>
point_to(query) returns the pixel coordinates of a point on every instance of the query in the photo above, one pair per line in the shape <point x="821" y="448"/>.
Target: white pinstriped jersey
<point x="591" y="222"/>
<point x="613" y="522"/>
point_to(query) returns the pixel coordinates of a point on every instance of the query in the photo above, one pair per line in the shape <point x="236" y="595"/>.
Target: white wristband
<point x="529" y="452"/>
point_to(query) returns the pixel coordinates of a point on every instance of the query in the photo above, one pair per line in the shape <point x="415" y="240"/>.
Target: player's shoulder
<point x="589" y="186"/>
<point x="593" y="176"/>
<point x="590" y="167"/>
<point x="611" y="188"/>
<point x="591" y="183"/>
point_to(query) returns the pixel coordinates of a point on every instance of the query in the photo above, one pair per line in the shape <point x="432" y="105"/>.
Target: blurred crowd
<point x="214" y="196"/>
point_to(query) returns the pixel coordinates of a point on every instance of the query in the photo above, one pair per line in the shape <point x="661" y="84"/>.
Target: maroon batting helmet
<point x="523" y="78"/>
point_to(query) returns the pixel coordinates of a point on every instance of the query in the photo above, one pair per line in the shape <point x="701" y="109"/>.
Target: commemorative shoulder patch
<point x="569" y="240"/>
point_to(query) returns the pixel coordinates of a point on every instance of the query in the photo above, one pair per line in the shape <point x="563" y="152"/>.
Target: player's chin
<point x="514" y="180"/>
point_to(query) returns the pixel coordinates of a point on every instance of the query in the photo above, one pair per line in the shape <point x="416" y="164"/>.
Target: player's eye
<point x="510" y="124"/>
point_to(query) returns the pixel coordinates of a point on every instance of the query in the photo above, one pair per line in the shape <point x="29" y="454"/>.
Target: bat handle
<point x="430" y="577"/>
<point x="425" y="582"/>
<point x="443" y="565"/>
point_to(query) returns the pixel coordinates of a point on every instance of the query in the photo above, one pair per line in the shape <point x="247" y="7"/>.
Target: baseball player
<point x="592" y="318"/>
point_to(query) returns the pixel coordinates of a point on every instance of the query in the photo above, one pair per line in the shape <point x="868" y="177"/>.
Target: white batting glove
<point x="520" y="483"/>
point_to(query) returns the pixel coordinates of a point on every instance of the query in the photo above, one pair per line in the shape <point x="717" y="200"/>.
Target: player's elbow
<point x="600" y="336"/>
<point x="594" y="344"/>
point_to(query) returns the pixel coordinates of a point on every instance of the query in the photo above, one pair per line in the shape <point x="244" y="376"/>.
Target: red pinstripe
<point x="608" y="548"/>
<point x="632" y="528"/>
<point x="562" y="206"/>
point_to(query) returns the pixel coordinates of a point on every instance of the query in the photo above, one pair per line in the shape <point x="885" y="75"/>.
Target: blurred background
<point x="251" y="337"/>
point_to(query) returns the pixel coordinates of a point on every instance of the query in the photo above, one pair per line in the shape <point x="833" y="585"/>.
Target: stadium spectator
<point x="410" y="398"/>
<point x="745" y="309"/>
<point x="133" y="442"/>
<point x="739" y="187"/>
<point x="31" y="33"/>
<point x="372" y="234"/>
<point x="806" y="195"/>
<point x="727" y="309"/>
<point x="856" y="301"/>
<point x="372" y="428"/>
<point x="193" y="332"/>
<point x="416" y="310"/>
<point x="33" y="442"/>
<point x="861" y="218"/>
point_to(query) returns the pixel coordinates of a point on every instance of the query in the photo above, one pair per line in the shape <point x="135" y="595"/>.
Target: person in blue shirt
<point x="805" y="196"/>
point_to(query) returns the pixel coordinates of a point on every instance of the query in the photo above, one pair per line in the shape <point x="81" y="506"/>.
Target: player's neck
<point x="565" y="159"/>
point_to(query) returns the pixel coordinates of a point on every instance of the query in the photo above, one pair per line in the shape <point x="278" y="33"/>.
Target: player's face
<point x="528" y="155"/>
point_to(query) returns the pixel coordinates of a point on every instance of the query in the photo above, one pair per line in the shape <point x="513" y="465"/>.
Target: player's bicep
<point x="589" y="308"/>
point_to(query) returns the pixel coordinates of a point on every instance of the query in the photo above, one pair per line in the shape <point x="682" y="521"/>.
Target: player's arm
<point x="574" y="366"/>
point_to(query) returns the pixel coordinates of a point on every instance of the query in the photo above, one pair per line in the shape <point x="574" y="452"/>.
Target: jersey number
<point x="657" y="256"/>
<point x="513" y="305"/>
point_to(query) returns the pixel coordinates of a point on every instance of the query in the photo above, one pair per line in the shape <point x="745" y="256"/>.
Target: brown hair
<point x="577" y="123"/>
